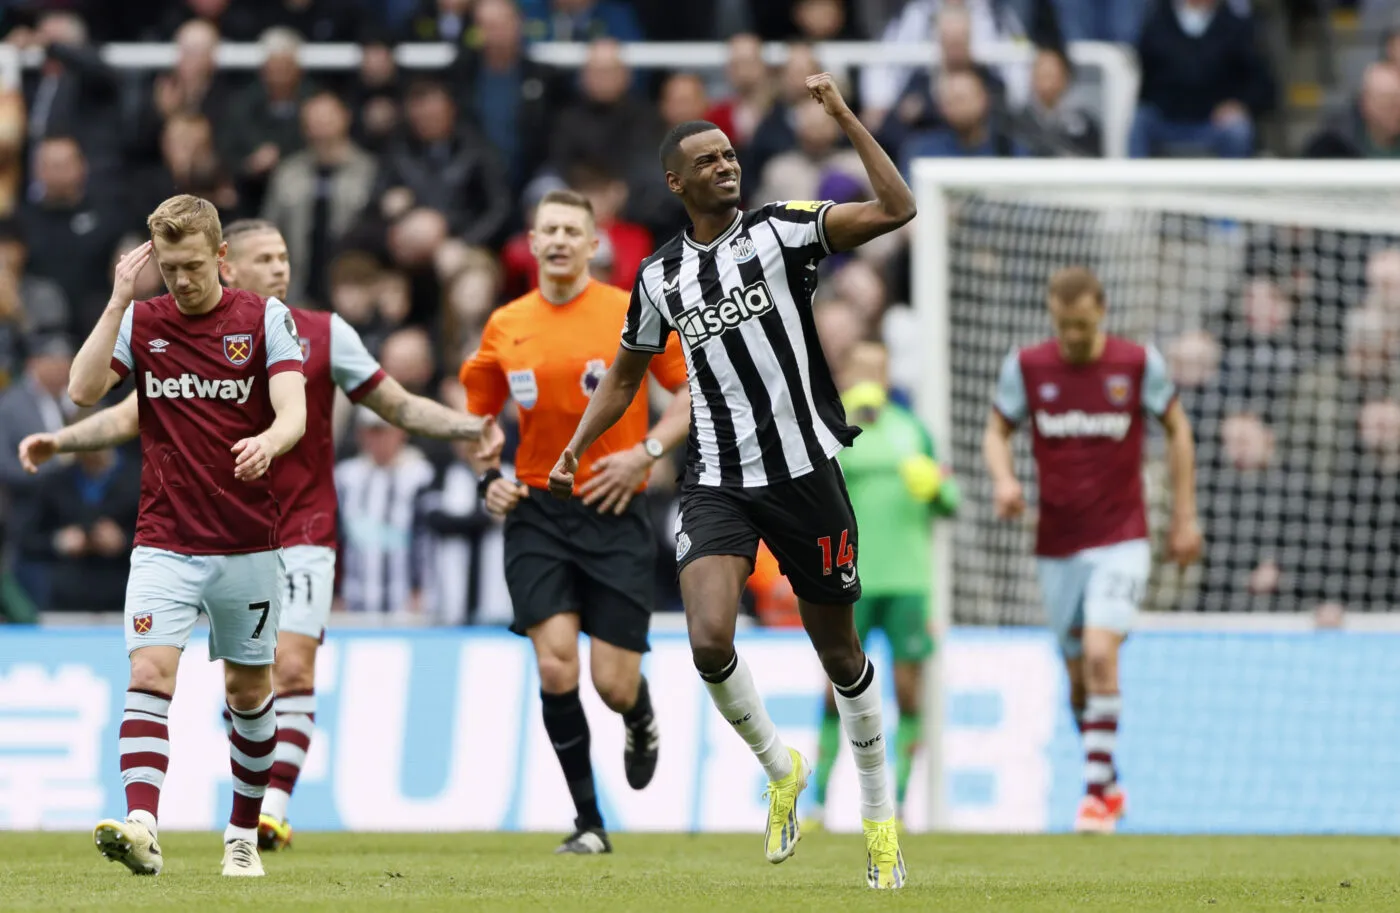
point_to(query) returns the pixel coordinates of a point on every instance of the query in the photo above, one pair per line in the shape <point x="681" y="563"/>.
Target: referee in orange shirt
<point x="586" y="564"/>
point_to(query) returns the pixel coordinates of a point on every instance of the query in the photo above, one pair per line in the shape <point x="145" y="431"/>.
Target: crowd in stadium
<point x="403" y="196"/>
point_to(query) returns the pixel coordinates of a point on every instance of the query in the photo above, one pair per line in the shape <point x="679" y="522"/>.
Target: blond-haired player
<point x="218" y="375"/>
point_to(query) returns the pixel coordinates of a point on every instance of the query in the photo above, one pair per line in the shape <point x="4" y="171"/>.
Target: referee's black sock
<point x="567" y="726"/>
<point x="640" y="714"/>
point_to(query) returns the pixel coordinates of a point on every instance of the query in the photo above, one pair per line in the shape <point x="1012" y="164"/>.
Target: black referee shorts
<point x="564" y="556"/>
<point x="807" y="523"/>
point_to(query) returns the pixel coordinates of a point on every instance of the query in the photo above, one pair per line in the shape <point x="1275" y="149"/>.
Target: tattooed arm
<point x="108" y="428"/>
<point x="420" y="415"/>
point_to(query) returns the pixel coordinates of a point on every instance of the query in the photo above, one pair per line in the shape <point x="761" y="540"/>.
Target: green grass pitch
<point x="713" y="873"/>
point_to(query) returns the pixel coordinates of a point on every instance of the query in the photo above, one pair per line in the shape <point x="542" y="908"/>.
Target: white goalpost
<point x="1273" y="290"/>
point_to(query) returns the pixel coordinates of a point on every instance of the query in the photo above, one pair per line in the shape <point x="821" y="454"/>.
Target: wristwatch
<point x="653" y="448"/>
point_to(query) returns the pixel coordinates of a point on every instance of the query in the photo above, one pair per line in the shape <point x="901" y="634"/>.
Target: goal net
<point x="1273" y="291"/>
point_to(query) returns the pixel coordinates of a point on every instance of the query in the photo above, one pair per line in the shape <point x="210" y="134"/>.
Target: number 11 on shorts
<point x="845" y="556"/>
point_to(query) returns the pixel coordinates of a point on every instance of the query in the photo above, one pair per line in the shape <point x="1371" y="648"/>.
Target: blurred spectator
<point x="1119" y="21"/>
<point x="72" y="94"/>
<point x="318" y="20"/>
<point x="460" y="545"/>
<point x="609" y="127"/>
<point x="1050" y="125"/>
<point x="316" y="195"/>
<point x="774" y="603"/>
<point x="444" y="165"/>
<point x="86" y="517"/>
<point x="514" y="99"/>
<point x="1260" y="361"/>
<point x="823" y="20"/>
<point x="751" y="85"/>
<point x="839" y="328"/>
<point x="777" y="132"/>
<point x="373" y="96"/>
<point x="1245" y="568"/>
<point x="1371" y="130"/>
<point x="917" y="107"/>
<point x="971" y="130"/>
<point x="1203" y="81"/>
<point x="193" y="86"/>
<point x="377" y="492"/>
<point x="407" y="357"/>
<point x="70" y="234"/>
<point x="37" y="403"/>
<point x="683" y="98"/>
<point x="189" y="164"/>
<point x="580" y="20"/>
<point x="353" y="283"/>
<point x="36" y="303"/>
<point x="12" y="150"/>
<point x="989" y="22"/>
<point x="798" y="174"/>
<point x="441" y="20"/>
<point x="263" y="126"/>
<point x="236" y="21"/>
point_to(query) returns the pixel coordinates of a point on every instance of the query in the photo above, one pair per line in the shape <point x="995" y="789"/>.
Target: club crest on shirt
<point x="305" y="348"/>
<point x="1049" y="392"/>
<point x="1118" y="388"/>
<point x="141" y="624"/>
<point x="238" y="348"/>
<point x="743" y="250"/>
<point x="524" y="389"/>
<point x="592" y="375"/>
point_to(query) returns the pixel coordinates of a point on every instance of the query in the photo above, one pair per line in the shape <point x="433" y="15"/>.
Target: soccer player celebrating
<point x="895" y="479"/>
<point x="221" y="395"/>
<point x="335" y="357"/>
<point x="577" y="566"/>
<point x="766" y="423"/>
<point x="1085" y="393"/>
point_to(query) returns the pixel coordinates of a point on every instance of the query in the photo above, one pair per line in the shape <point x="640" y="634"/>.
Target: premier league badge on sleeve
<point x="305" y="348"/>
<point x="238" y="348"/>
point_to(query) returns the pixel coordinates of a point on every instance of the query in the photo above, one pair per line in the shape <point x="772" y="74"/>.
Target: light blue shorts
<point x="241" y="594"/>
<point x="310" y="586"/>
<point x="1096" y="588"/>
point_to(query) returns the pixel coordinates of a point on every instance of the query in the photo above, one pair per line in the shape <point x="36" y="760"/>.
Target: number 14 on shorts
<point x="845" y="554"/>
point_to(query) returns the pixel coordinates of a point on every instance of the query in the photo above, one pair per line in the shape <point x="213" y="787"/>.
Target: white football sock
<point x="859" y="706"/>
<point x="733" y="692"/>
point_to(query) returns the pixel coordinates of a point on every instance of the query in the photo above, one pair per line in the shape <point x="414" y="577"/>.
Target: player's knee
<point x="1100" y="668"/>
<point x="558" y="672"/>
<point x="711" y="654"/>
<point x="617" y="688"/>
<point x="843" y="662"/>
<point x="247" y="687"/>
<point x="152" y="673"/>
<point x="294" y="671"/>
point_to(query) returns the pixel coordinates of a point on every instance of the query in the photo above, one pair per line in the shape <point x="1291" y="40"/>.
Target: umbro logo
<point x="158" y="345"/>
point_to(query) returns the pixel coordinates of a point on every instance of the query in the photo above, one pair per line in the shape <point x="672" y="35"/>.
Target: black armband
<point x="487" y="478"/>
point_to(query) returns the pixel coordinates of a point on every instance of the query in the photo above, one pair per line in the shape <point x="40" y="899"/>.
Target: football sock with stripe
<point x="251" y="747"/>
<point x="296" y="722"/>
<point x="734" y="694"/>
<point x="859" y="705"/>
<point x="144" y="747"/>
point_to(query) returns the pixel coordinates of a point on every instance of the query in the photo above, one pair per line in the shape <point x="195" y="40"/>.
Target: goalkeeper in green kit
<point x="897" y="488"/>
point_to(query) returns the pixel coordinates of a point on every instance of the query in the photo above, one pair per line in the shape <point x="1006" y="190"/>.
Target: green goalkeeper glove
<point x="922" y="477"/>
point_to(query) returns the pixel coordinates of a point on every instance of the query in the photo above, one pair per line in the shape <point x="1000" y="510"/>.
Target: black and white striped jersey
<point x="765" y="408"/>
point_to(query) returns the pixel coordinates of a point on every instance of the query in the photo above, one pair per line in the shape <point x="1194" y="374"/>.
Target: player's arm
<point x="1009" y="407"/>
<point x="107" y="428"/>
<point x="609" y="402"/>
<point x="420" y="415"/>
<point x="94" y="370"/>
<point x="1185" y="537"/>
<point x="849" y="225"/>
<point x="286" y="391"/>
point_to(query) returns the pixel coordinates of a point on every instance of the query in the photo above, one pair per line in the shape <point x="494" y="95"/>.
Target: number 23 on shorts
<point x="845" y="555"/>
